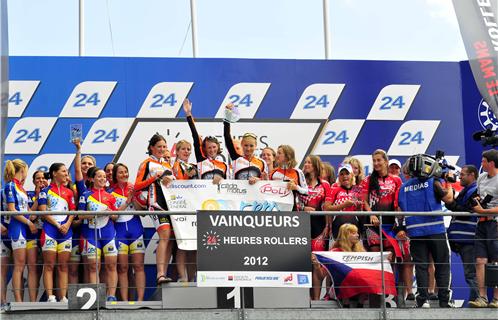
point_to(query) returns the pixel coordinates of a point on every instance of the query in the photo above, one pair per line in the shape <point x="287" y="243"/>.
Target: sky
<point x="418" y="30"/>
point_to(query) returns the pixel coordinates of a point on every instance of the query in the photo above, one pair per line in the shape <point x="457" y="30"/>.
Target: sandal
<point x="161" y="279"/>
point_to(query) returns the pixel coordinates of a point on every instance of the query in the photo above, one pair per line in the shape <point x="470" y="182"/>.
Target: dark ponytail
<point x="53" y="168"/>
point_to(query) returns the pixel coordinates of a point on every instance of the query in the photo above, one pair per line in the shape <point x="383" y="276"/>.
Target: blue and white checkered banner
<point x="329" y="108"/>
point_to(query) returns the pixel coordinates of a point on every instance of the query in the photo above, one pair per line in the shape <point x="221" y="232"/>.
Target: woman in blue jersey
<point x="34" y="270"/>
<point x="129" y="234"/>
<point x="16" y="199"/>
<point x="56" y="239"/>
<point x="99" y="236"/>
<point x="81" y="166"/>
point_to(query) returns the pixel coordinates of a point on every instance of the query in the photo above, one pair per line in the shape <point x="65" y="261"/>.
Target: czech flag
<point x="356" y="273"/>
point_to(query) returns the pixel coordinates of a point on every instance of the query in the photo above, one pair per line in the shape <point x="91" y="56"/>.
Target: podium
<point x="186" y="295"/>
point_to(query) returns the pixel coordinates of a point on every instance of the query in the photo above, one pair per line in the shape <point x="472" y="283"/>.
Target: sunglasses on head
<point x="250" y="135"/>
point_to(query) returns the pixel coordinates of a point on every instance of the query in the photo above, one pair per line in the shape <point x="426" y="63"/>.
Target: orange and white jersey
<point x="208" y="168"/>
<point x="243" y="169"/>
<point x="146" y="180"/>
<point x="181" y="169"/>
<point x="291" y="174"/>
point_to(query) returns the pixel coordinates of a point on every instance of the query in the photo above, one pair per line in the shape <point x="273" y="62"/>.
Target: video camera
<point x="483" y="202"/>
<point x="487" y="137"/>
<point x="426" y="166"/>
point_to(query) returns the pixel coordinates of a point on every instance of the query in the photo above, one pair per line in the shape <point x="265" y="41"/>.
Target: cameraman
<point x="423" y="192"/>
<point x="486" y="241"/>
<point x="462" y="230"/>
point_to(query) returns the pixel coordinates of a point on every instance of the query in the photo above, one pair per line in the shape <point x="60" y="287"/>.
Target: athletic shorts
<point x="161" y="221"/>
<point x="17" y="235"/>
<point x="33" y="238"/>
<point x="129" y="236"/>
<point x="53" y="240"/>
<point x="486" y="241"/>
<point x="104" y="243"/>
<point x="19" y="243"/>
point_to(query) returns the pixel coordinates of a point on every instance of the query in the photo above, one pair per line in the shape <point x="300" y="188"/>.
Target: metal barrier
<point x="382" y="308"/>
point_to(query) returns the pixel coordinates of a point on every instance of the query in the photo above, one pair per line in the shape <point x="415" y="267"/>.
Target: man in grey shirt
<point x="486" y="241"/>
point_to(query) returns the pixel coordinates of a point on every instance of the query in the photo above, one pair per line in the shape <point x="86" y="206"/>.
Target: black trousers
<point x="437" y="246"/>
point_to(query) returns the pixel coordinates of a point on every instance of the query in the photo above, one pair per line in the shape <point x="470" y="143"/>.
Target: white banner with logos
<point x="266" y="279"/>
<point x="238" y="195"/>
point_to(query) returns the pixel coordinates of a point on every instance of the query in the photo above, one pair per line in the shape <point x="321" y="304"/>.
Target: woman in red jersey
<point x="344" y="198"/>
<point x="57" y="234"/>
<point x="380" y="191"/>
<point x="129" y="234"/>
<point x="100" y="236"/>
<point x="317" y="199"/>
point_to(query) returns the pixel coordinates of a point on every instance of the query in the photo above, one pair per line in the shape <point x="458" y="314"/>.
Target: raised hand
<point x="77" y="144"/>
<point x="187" y="107"/>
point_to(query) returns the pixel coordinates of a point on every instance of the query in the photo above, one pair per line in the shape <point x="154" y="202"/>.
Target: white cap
<point x="396" y="162"/>
<point x="345" y="166"/>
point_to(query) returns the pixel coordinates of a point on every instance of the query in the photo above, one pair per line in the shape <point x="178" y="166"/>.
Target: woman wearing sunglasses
<point x="245" y="166"/>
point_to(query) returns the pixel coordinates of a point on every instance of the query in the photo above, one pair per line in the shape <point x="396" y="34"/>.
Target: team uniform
<point x="316" y="198"/>
<point x="295" y="175"/>
<point x="129" y="229"/>
<point x="207" y="168"/>
<point x="33" y="238"/>
<point x="56" y="198"/>
<point x="100" y="226"/>
<point x="385" y="199"/>
<point x="78" y="240"/>
<point x="242" y="168"/>
<point x="14" y="193"/>
<point x="182" y="168"/>
<point x="339" y="195"/>
<point x="146" y="180"/>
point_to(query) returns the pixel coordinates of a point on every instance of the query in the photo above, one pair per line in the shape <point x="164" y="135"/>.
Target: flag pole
<point x="81" y="28"/>
<point x="193" y="19"/>
<point x="326" y="30"/>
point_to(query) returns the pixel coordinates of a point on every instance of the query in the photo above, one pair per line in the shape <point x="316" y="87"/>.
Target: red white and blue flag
<point x="356" y="273"/>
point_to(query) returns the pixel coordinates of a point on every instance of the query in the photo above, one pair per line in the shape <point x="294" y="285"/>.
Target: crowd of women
<point x="76" y="246"/>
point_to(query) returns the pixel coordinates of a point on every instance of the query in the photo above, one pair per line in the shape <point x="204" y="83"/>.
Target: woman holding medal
<point x="245" y="166"/>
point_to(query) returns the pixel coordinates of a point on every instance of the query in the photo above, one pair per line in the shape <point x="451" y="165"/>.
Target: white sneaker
<point x="64" y="300"/>
<point x="51" y="299"/>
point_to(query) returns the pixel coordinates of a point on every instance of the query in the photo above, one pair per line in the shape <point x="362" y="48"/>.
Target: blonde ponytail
<point x="12" y="167"/>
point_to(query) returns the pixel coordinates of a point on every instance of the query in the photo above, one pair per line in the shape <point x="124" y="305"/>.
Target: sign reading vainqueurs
<point x="245" y="249"/>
